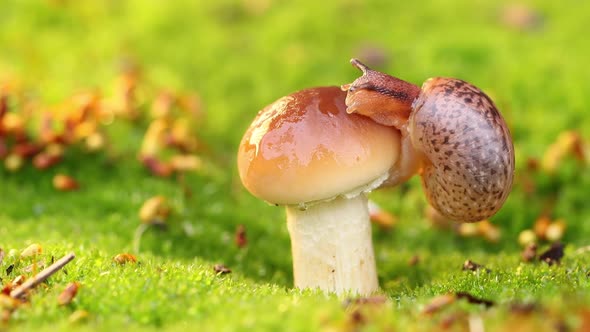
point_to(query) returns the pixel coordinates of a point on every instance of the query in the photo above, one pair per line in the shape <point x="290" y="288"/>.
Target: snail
<point x="452" y="134"/>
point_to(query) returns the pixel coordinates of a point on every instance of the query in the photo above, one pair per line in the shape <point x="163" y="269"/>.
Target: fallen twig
<point x="41" y="276"/>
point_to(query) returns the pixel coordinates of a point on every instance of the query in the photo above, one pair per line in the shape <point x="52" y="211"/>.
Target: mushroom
<point x="304" y="152"/>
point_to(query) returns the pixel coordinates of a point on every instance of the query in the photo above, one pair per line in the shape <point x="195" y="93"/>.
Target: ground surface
<point x="239" y="56"/>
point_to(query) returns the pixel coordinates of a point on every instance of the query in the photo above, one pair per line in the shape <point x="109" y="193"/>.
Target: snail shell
<point x="460" y="144"/>
<point x="468" y="152"/>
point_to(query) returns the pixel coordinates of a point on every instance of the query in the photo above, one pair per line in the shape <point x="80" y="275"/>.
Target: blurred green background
<point x="239" y="56"/>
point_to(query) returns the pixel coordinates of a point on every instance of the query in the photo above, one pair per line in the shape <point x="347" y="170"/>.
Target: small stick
<point x="42" y="276"/>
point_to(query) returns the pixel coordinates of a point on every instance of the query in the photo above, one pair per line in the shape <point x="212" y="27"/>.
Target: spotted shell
<point x="469" y="156"/>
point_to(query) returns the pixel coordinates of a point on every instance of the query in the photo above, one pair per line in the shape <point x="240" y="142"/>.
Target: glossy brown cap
<point x="305" y="147"/>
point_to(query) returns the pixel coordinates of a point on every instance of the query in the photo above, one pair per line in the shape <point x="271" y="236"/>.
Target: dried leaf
<point x="186" y="163"/>
<point x="155" y="210"/>
<point x="438" y="303"/>
<point x="523" y="308"/>
<point x="45" y="160"/>
<point x="489" y="231"/>
<point x="450" y="320"/>
<point x="78" y="316"/>
<point x="553" y="255"/>
<point x="2" y="254"/>
<point x="31" y="251"/>
<point x="541" y="225"/>
<point x="380" y="217"/>
<point x="371" y="300"/>
<point x="125" y="258"/>
<point x="19" y="280"/>
<point x="8" y="302"/>
<point x="157" y="167"/>
<point x="468" y="229"/>
<point x="474" y="300"/>
<point x="34" y="267"/>
<point x="64" y="182"/>
<point x="240" y="236"/>
<point x="529" y="253"/>
<point x="521" y="17"/>
<point x="436" y="219"/>
<point x="221" y="269"/>
<point x="415" y="260"/>
<point x="68" y="294"/>
<point x="470" y="265"/>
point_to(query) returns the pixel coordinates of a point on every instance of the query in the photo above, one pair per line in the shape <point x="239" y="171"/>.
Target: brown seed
<point x="68" y="294"/>
<point x="125" y="258"/>
<point x="221" y="269"/>
<point x="63" y="182"/>
<point x="240" y="236"/>
<point x="155" y="210"/>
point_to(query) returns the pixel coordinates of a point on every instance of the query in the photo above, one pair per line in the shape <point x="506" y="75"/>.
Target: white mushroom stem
<point x="332" y="247"/>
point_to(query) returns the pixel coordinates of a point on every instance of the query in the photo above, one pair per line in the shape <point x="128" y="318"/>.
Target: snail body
<point x="460" y="144"/>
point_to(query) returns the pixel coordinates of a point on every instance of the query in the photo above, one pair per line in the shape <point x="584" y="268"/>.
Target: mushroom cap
<point x="304" y="147"/>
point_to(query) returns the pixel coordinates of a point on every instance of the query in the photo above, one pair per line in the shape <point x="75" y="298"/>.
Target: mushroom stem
<point x="332" y="247"/>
